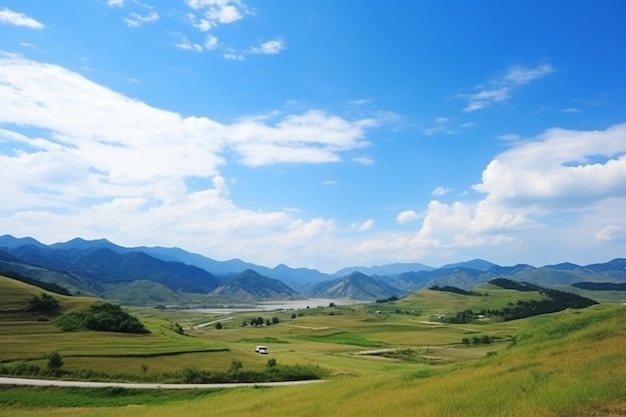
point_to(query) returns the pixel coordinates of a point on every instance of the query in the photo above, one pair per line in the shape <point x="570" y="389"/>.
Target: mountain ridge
<point x="98" y="266"/>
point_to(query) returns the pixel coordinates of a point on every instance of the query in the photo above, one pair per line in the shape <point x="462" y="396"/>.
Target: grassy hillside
<point x="386" y="359"/>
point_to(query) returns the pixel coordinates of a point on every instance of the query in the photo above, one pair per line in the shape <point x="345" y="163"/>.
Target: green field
<point x="391" y="359"/>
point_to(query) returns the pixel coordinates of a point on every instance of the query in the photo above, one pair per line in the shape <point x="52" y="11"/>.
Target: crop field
<point x="381" y="359"/>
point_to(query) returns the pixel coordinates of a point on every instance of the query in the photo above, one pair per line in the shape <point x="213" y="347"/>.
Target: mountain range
<point x="158" y="275"/>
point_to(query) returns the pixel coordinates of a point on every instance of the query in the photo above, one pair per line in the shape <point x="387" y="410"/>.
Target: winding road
<point x="130" y="385"/>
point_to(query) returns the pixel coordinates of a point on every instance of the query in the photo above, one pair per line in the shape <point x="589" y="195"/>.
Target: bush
<point x="55" y="363"/>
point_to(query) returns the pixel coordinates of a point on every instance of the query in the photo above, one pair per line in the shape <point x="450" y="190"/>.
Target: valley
<point x="454" y="341"/>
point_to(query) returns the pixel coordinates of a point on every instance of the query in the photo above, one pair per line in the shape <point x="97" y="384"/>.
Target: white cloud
<point x="500" y="88"/>
<point x="10" y="17"/>
<point x="210" y="42"/>
<point x="407" y="216"/>
<point x="115" y="3"/>
<point x="185" y="44"/>
<point x="559" y="168"/>
<point x="439" y="191"/>
<point x="272" y="47"/>
<point x="519" y="75"/>
<point x="120" y="169"/>
<point x="314" y="136"/>
<point x="135" y="19"/>
<point x="207" y="15"/>
<point x="216" y="12"/>
<point x="571" y="110"/>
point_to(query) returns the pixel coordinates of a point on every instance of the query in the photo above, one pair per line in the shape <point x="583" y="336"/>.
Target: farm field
<point x="381" y="359"/>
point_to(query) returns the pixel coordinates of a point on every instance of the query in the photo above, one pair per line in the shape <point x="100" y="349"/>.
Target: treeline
<point x="387" y="300"/>
<point x="48" y="286"/>
<point x="456" y="290"/>
<point x="260" y="321"/>
<point x="102" y="317"/>
<point x="556" y="301"/>
<point x="600" y="286"/>
<point x="508" y="284"/>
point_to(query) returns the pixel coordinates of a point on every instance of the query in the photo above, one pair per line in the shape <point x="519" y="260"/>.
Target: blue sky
<point x="319" y="134"/>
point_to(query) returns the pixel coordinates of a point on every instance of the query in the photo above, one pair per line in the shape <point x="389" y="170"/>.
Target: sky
<point x="318" y="133"/>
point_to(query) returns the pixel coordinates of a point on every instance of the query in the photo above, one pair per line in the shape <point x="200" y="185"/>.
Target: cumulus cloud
<point x="559" y="168"/>
<point x="407" y="216"/>
<point x="500" y="88"/>
<point x="9" y="17"/>
<point x="115" y="3"/>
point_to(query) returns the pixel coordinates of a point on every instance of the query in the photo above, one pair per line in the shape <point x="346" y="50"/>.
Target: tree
<point x="275" y="320"/>
<point x="55" y="363"/>
<point x="218" y="325"/>
<point x="268" y="322"/>
<point x="271" y="363"/>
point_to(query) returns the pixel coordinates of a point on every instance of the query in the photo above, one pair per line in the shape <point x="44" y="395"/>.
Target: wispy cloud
<point x="272" y="47"/>
<point x="10" y="17"/>
<point x="440" y="125"/>
<point x="363" y="160"/>
<point x="135" y="19"/>
<point x="500" y="88"/>
<point x="115" y="3"/>
<point x="439" y="191"/>
<point x="185" y="44"/>
<point x="364" y="226"/>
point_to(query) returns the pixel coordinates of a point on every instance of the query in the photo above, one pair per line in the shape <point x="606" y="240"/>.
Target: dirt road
<point x="86" y="384"/>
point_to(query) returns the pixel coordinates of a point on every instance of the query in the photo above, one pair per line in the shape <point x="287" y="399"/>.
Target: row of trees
<point x="260" y="321"/>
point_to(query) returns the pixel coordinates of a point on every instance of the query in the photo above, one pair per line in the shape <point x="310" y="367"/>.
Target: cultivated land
<point x="381" y="359"/>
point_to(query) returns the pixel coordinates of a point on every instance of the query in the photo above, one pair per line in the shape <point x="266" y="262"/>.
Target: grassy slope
<point x="563" y="364"/>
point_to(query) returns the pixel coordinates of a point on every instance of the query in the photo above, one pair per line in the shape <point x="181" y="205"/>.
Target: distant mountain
<point x="103" y="265"/>
<point x="8" y="241"/>
<point x="478" y="264"/>
<point x="616" y="267"/>
<point x="387" y="270"/>
<point x="250" y="284"/>
<point x="147" y="275"/>
<point x="564" y="266"/>
<point x="357" y="286"/>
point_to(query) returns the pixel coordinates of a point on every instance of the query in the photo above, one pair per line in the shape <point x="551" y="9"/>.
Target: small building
<point x="261" y="349"/>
